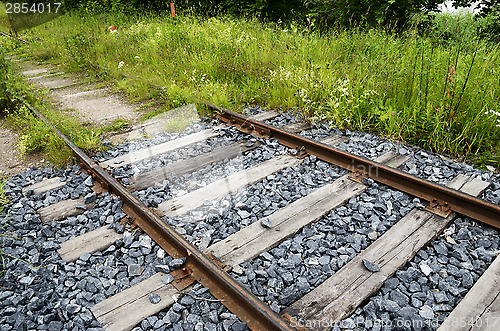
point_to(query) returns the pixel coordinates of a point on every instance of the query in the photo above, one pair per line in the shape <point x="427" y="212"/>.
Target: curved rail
<point x="442" y="199"/>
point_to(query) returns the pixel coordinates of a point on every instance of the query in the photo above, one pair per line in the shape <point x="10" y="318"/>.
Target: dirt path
<point x="99" y="106"/>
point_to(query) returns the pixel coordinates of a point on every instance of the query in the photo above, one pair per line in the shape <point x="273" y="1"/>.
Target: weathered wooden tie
<point x="228" y="185"/>
<point x="174" y="120"/>
<point x="343" y="292"/>
<point x="264" y="116"/>
<point x="36" y="72"/>
<point x="44" y="186"/>
<point x="255" y="239"/>
<point x="90" y="242"/>
<point x="480" y="308"/>
<point x="63" y="209"/>
<point x="124" y="310"/>
<point x="179" y="168"/>
<point x="334" y="140"/>
<point x="297" y="127"/>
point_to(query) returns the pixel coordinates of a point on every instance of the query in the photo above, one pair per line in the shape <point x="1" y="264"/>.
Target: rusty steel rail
<point x="442" y="198"/>
<point x="232" y="294"/>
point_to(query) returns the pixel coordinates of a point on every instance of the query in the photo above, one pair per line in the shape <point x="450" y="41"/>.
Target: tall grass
<point x="3" y="198"/>
<point x="439" y="95"/>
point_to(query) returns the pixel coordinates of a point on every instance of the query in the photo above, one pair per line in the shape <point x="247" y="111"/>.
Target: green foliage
<point x="128" y="6"/>
<point x="3" y="198"/>
<point x="118" y="124"/>
<point x="368" y="13"/>
<point x="8" y="99"/>
<point x="432" y="92"/>
<point x="325" y="14"/>
<point x="459" y="28"/>
<point x="35" y="136"/>
<point x="5" y="99"/>
<point x="491" y="24"/>
<point x="80" y="46"/>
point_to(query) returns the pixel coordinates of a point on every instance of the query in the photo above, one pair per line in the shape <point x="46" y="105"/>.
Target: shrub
<point x="491" y="26"/>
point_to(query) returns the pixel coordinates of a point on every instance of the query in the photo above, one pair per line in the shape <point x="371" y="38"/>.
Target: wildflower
<point x="496" y="113"/>
<point x="137" y="57"/>
<point x="121" y="64"/>
<point x="368" y="93"/>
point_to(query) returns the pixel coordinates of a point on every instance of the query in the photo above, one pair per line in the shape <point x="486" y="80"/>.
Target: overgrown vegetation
<point x="325" y="14"/>
<point x="117" y="125"/>
<point x="433" y="84"/>
<point x="3" y="198"/>
<point x="35" y="136"/>
<point x="439" y="91"/>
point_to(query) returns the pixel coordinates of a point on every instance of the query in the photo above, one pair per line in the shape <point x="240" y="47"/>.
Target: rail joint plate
<point x="182" y="278"/>
<point x="358" y="176"/>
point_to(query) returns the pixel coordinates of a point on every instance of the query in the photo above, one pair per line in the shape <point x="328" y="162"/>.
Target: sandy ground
<point x="11" y="161"/>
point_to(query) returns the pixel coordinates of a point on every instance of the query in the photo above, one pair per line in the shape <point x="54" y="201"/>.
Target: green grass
<point x="117" y="125"/>
<point x="430" y="92"/>
<point x="4" y="18"/>
<point x="3" y="198"/>
<point x="35" y="136"/>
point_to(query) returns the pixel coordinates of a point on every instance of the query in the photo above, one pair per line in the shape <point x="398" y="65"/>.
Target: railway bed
<point x="319" y="246"/>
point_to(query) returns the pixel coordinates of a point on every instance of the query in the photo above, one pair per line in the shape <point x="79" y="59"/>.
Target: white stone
<point x="425" y="269"/>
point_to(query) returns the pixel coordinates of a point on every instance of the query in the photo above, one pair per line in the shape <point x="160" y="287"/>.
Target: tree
<point x="347" y="13"/>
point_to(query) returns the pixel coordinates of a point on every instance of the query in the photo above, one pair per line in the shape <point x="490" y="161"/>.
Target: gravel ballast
<point x="40" y="291"/>
<point x="302" y="262"/>
<point x="424" y="292"/>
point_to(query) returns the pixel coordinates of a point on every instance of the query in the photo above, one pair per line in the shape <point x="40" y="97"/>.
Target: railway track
<point x="330" y="231"/>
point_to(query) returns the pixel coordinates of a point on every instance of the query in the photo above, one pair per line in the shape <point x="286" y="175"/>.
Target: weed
<point x="430" y="91"/>
<point x="35" y="136"/>
<point x="153" y="113"/>
<point x="117" y="125"/>
<point x="3" y="198"/>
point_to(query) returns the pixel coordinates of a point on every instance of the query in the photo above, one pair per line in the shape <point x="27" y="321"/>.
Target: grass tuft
<point x="35" y="136"/>
<point x="3" y="198"/>
<point x="439" y="92"/>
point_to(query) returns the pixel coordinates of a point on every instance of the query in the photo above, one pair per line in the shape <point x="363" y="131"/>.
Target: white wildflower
<point x="193" y="76"/>
<point x="121" y="64"/>
<point x="203" y="78"/>
<point x="343" y="87"/>
<point x="496" y="113"/>
<point x="368" y="93"/>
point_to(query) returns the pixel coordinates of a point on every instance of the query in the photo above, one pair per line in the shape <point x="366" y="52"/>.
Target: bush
<point x="368" y="13"/>
<point x="491" y="26"/>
